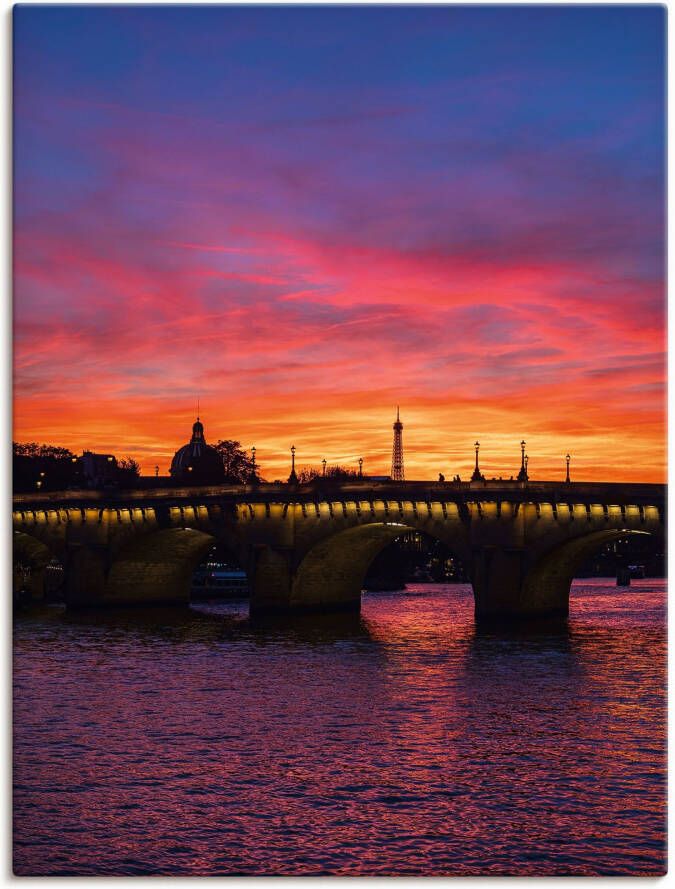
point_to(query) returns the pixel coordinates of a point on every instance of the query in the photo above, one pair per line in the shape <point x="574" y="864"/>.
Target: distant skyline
<point x="306" y="216"/>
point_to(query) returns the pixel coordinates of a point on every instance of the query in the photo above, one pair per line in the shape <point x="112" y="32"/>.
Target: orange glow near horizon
<point x="605" y="443"/>
<point x="324" y="369"/>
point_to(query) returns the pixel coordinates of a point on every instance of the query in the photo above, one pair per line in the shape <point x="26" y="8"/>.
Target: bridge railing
<point x="324" y="489"/>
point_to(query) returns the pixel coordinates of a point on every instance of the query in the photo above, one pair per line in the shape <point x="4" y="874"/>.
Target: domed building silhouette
<point x="196" y="462"/>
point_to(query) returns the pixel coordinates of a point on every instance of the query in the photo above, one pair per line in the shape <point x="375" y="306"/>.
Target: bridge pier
<point x="85" y="576"/>
<point x="269" y="573"/>
<point x="318" y="584"/>
<point x="506" y="587"/>
<point x="329" y="577"/>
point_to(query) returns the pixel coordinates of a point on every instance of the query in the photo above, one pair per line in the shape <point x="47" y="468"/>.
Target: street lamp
<point x="360" y="467"/>
<point x="567" y="462"/>
<point x="522" y="475"/>
<point x="476" y="477"/>
<point x="527" y="460"/>
<point x="254" y="476"/>
<point x="292" y="478"/>
<point x="323" y="462"/>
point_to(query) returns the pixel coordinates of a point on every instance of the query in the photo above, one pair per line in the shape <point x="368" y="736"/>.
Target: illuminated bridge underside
<point x="309" y="547"/>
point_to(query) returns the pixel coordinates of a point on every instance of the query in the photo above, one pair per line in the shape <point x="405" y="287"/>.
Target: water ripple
<point x="403" y="742"/>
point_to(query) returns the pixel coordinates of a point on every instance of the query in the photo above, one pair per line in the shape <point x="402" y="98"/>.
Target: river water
<point x="400" y="742"/>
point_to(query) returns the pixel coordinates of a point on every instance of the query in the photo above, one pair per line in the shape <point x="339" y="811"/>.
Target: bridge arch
<point x="546" y="588"/>
<point x="157" y="568"/>
<point x="333" y="571"/>
<point x="31" y="549"/>
<point x="520" y="545"/>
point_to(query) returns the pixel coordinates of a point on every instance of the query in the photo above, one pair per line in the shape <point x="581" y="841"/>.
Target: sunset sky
<point x="304" y="217"/>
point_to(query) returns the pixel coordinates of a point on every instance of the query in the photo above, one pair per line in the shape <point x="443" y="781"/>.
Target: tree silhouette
<point x="128" y="470"/>
<point x="44" y="467"/>
<point x="38" y="451"/>
<point x="238" y="465"/>
<point x="334" y="473"/>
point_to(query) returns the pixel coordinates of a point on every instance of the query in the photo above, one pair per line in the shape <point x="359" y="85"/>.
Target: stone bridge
<point x="309" y="546"/>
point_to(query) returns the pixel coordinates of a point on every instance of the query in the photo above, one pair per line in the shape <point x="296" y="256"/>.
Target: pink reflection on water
<point x="404" y="742"/>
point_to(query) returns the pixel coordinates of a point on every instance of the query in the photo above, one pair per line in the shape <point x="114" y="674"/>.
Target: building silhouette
<point x="98" y="470"/>
<point x="196" y="462"/>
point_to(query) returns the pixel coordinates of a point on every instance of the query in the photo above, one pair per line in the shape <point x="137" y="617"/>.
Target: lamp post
<point x="292" y="478"/>
<point x="323" y="463"/>
<point x="527" y="460"/>
<point x="567" y="464"/>
<point x="522" y="475"/>
<point x="156" y="471"/>
<point x="360" y="467"/>
<point x="476" y="477"/>
<point x="254" y="476"/>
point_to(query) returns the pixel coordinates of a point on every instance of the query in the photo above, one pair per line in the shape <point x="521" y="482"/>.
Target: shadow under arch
<point x="30" y="558"/>
<point x="157" y="568"/>
<point x="31" y="550"/>
<point x="332" y="573"/>
<point x="547" y="585"/>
